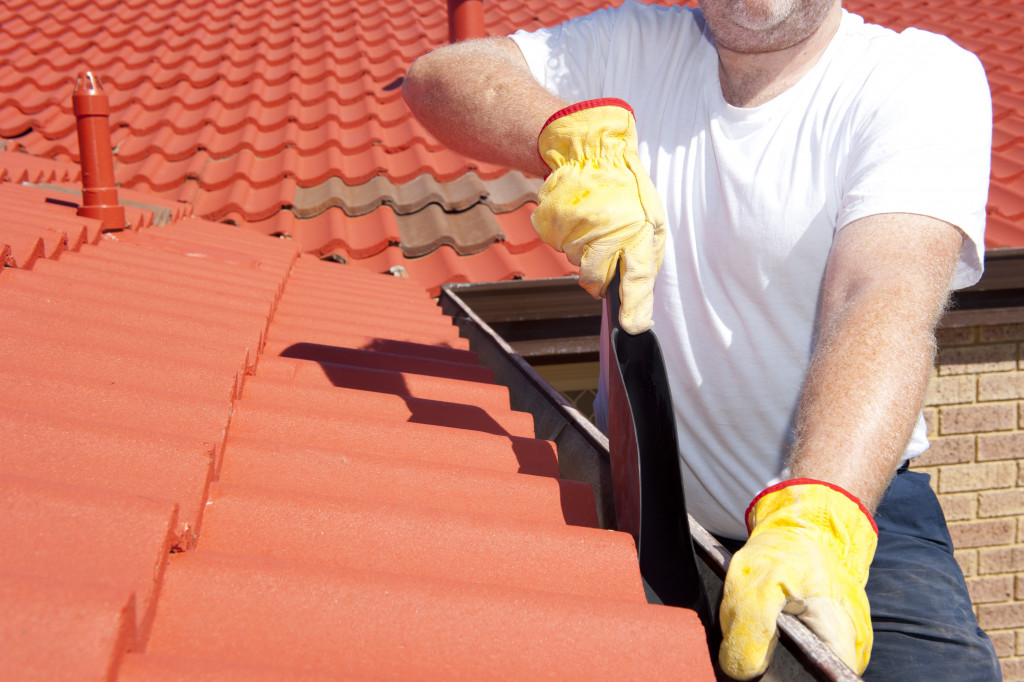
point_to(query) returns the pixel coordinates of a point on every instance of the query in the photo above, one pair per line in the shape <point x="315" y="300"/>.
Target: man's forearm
<point x="870" y="369"/>
<point x="480" y="99"/>
<point x="861" y="399"/>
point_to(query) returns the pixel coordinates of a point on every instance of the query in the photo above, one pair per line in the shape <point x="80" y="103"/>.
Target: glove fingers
<point x="845" y="628"/>
<point x="639" y="265"/>
<point x="636" y="286"/>
<point x="597" y="267"/>
<point x="749" y="633"/>
<point x="552" y="225"/>
<point x="572" y="216"/>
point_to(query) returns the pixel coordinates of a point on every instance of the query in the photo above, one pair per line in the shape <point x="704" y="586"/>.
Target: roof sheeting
<point x="261" y="113"/>
<point x="249" y="111"/>
<point x="222" y="457"/>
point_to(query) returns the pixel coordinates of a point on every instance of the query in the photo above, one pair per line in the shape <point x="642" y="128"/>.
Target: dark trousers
<point x="921" y="613"/>
<point x="920" y="610"/>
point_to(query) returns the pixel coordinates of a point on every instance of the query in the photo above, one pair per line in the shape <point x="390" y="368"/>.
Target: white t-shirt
<point x="884" y="122"/>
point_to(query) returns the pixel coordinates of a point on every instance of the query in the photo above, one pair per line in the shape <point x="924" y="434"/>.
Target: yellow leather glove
<point x="600" y="207"/>
<point x="810" y="547"/>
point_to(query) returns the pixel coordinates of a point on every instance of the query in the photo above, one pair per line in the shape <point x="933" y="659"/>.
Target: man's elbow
<point x="452" y="67"/>
<point x="415" y="85"/>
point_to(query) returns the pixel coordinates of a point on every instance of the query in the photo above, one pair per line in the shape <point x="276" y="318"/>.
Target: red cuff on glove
<point x="581" y="106"/>
<point x="589" y="104"/>
<point x="803" y="481"/>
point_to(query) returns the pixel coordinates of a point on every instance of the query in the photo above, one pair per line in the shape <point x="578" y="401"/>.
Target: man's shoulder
<point x="874" y="58"/>
<point x="912" y="48"/>
<point x="938" y="50"/>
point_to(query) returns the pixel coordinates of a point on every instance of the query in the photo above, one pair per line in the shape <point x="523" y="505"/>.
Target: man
<point x="790" y="194"/>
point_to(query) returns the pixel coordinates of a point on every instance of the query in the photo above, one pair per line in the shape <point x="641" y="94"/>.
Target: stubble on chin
<point x="764" y="15"/>
<point x="753" y="26"/>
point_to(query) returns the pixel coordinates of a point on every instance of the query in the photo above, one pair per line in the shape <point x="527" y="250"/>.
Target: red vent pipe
<point x="465" y="20"/>
<point x="99" y="192"/>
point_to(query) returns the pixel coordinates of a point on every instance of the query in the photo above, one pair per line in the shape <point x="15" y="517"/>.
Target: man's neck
<point x="752" y="79"/>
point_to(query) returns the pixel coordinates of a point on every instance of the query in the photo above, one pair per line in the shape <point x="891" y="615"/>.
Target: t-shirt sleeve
<point x="924" y="144"/>
<point x="570" y="59"/>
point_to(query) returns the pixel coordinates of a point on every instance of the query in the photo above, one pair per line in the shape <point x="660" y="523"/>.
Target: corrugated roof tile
<point x="374" y="404"/>
<point x="56" y="296"/>
<point x="68" y="448"/>
<point x="348" y="474"/>
<point x="19" y="168"/>
<point x="421" y="542"/>
<point x="385" y="379"/>
<point x="467" y="232"/>
<point x="124" y="366"/>
<point x="159" y="411"/>
<point x="22" y="248"/>
<point x="428" y="442"/>
<point x="64" y="629"/>
<point x="445" y="265"/>
<point x="411" y="628"/>
<point x="417" y="234"/>
<point x="273" y="77"/>
<point x="94" y="536"/>
<point x="244" y="112"/>
<point x="207" y="408"/>
<point x="1001" y="231"/>
<point x="501" y="195"/>
<point x="203" y="62"/>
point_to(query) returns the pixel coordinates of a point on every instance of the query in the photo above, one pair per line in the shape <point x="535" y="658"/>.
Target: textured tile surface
<point x="227" y="460"/>
<point x="199" y="414"/>
<point x="287" y="117"/>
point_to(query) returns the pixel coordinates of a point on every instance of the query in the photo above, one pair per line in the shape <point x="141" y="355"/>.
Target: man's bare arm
<point x="479" y="98"/>
<point x="885" y="287"/>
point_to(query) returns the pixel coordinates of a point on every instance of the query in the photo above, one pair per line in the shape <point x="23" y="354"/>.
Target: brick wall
<point x="975" y="414"/>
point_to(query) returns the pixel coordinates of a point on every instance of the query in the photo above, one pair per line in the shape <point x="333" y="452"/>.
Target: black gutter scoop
<point x="646" y="480"/>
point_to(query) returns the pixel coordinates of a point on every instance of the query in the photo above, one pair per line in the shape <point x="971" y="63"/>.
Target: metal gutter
<point x="582" y="448"/>
<point x="997" y="299"/>
<point x="583" y="456"/>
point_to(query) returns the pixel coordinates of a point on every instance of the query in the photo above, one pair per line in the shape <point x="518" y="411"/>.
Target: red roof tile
<point x="384" y="379"/>
<point x="19" y="168"/>
<point x="237" y="108"/>
<point x="93" y="536"/>
<point x="400" y="538"/>
<point x="291" y="443"/>
<point x="68" y="629"/>
<point x="360" y="237"/>
<point x="409" y="627"/>
<point x="195" y="414"/>
<point x="381" y="479"/>
<point x="444" y="265"/>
